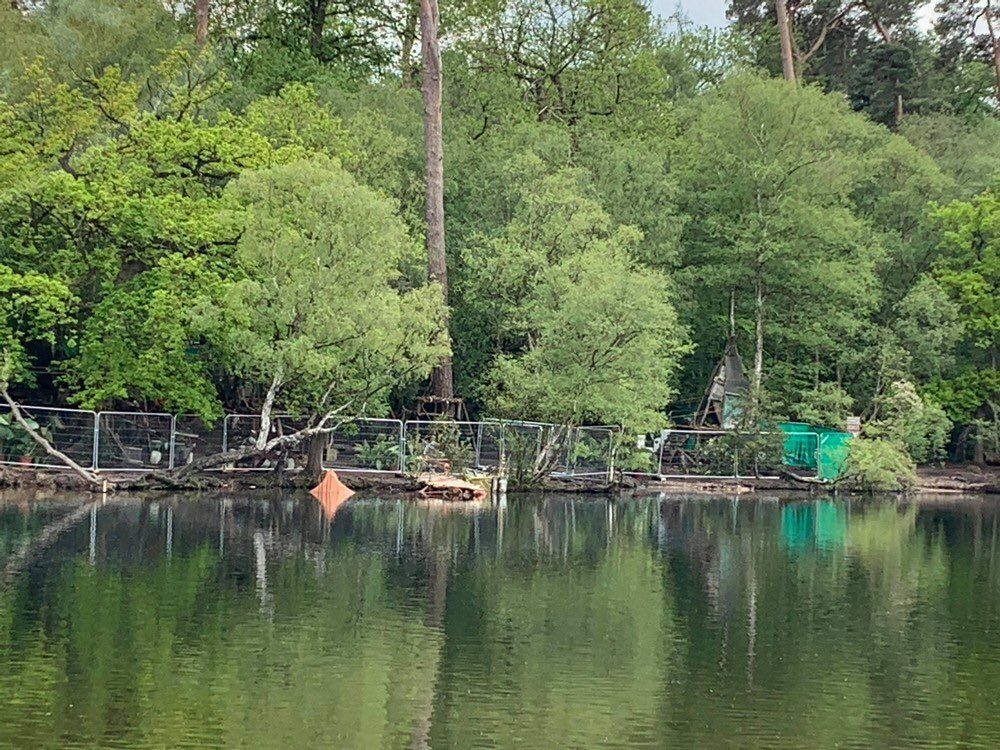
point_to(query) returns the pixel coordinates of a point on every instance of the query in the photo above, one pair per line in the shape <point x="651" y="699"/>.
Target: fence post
<point x="402" y="447"/>
<point x="664" y="436"/>
<point x="173" y="440"/>
<point x="819" y="455"/>
<point x="502" y="458"/>
<point x="225" y="433"/>
<point x="612" y="449"/>
<point x="97" y="439"/>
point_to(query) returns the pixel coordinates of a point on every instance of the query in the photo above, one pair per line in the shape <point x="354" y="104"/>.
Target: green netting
<point x="800" y="445"/>
<point x="818" y="448"/>
<point x="834" y="447"/>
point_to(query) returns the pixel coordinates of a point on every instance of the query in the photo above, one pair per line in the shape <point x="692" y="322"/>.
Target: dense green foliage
<point x="183" y="228"/>
<point x="879" y="465"/>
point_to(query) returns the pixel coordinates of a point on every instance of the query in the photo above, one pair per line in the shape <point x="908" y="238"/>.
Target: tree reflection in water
<point x="550" y="621"/>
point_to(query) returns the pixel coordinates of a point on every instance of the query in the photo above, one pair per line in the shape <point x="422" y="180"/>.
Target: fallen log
<point x="35" y="435"/>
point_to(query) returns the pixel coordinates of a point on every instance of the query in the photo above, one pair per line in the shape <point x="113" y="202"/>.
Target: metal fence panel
<point x="134" y="441"/>
<point x="685" y="453"/>
<point x="589" y="451"/>
<point x="193" y="438"/>
<point x="71" y="431"/>
<point x="490" y="445"/>
<point x="522" y="444"/>
<point x="712" y="454"/>
<point x="296" y="456"/>
<point x="366" y="444"/>
<point x="239" y="430"/>
<point x="440" y="445"/>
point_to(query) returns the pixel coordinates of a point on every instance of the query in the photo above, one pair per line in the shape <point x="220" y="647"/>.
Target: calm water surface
<point x="552" y="622"/>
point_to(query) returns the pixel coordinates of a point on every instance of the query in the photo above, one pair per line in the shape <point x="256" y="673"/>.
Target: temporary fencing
<point x="719" y="454"/>
<point x="134" y="441"/>
<point x="194" y="437"/>
<point x="589" y="452"/>
<point x="371" y="445"/>
<point x="70" y="431"/>
<point x="141" y="441"/>
<point x="435" y="445"/>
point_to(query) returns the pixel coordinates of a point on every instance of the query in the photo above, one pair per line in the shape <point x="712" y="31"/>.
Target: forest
<point x="211" y="206"/>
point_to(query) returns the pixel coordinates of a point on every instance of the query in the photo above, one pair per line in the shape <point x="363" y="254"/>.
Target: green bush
<point x="877" y="465"/>
<point x="631" y="455"/>
<point x="381" y="453"/>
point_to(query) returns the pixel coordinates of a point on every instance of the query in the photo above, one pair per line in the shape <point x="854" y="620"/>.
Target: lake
<point x="561" y="621"/>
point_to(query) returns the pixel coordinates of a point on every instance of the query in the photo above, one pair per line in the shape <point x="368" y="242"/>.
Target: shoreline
<point x="958" y="480"/>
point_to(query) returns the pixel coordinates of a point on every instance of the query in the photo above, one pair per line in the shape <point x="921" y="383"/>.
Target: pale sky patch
<point x="713" y="12"/>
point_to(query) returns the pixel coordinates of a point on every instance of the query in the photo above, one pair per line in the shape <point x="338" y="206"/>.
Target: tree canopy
<point x="201" y="227"/>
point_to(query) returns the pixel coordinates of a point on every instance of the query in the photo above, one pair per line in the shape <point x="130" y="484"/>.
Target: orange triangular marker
<point x="331" y="493"/>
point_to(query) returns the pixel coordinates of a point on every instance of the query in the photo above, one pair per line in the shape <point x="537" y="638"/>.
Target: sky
<point x="713" y="12"/>
<point x="701" y="12"/>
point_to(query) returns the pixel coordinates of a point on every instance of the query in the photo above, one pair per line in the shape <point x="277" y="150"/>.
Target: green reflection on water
<point x="552" y="622"/>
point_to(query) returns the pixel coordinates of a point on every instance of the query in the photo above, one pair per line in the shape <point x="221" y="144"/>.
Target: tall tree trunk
<point x="409" y="37"/>
<point x="785" y="31"/>
<point x="201" y="22"/>
<point x="991" y="26"/>
<point x="441" y="379"/>
<point x="317" y="24"/>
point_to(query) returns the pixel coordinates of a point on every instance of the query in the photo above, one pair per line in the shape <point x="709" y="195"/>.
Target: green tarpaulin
<point x="819" y="449"/>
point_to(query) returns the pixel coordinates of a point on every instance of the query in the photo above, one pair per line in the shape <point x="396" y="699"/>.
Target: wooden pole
<point x="441" y="379"/>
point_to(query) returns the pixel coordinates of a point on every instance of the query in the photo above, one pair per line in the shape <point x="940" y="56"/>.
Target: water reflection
<point x="554" y="621"/>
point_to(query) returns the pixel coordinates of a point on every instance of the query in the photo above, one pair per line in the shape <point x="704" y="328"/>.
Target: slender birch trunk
<point x="758" y="354"/>
<point x="265" y="414"/>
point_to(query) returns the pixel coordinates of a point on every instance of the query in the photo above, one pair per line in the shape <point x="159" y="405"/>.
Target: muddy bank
<point x="964" y="478"/>
<point x="27" y="478"/>
<point x="957" y="479"/>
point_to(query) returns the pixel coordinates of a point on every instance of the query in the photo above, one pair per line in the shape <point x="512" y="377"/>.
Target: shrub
<point x="879" y="465"/>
